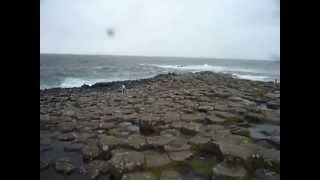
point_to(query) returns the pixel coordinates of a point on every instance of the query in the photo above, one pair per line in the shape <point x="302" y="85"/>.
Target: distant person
<point x="275" y="82"/>
<point x="124" y="90"/>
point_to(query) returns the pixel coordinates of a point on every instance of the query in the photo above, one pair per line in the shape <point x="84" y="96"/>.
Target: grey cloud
<point x="247" y="29"/>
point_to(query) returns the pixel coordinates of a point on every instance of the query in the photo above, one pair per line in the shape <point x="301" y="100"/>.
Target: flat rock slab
<point x="181" y="155"/>
<point x="64" y="166"/>
<point x="97" y="167"/>
<point x="170" y="175"/>
<point x="178" y="144"/>
<point x="137" y="142"/>
<point x="192" y="117"/>
<point x="212" y="118"/>
<point x="139" y="176"/>
<point x="189" y="128"/>
<point x="111" y="142"/>
<point x="236" y="151"/>
<point x="66" y="137"/>
<point x="67" y="127"/>
<point x="225" y="171"/>
<point x="264" y="174"/>
<point x="90" y="152"/>
<point x="266" y="132"/>
<point x="198" y="140"/>
<point x="170" y="133"/>
<point x="159" y="141"/>
<point x="44" y="165"/>
<point x="155" y="159"/>
<point x="124" y="160"/>
<point x="73" y="147"/>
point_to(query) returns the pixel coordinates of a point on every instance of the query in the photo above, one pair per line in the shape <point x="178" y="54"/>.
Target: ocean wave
<point x="77" y="82"/>
<point x="252" y="77"/>
<point x="203" y="67"/>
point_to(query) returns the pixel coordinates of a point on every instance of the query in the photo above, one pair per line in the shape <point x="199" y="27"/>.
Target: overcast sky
<point x="245" y="29"/>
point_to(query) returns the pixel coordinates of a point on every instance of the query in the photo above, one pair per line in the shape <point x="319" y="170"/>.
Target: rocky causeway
<point x="192" y="126"/>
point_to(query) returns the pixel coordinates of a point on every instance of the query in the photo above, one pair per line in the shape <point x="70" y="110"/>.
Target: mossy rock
<point x="203" y="166"/>
<point x="158" y="170"/>
<point x="233" y="121"/>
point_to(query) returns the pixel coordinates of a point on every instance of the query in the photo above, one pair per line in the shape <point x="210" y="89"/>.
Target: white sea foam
<point x="77" y="82"/>
<point x="203" y="67"/>
<point x="252" y="77"/>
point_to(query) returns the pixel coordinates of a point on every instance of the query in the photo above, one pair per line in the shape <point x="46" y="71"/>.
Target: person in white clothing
<point x="124" y="91"/>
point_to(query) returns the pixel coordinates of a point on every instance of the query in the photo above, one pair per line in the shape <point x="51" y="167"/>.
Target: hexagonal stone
<point x="66" y="137"/>
<point x="181" y="155"/>
<point x="271" y="156"/>
<point x="171" y="117"/>
<point x="212" y="118"/>
<point x="205" y="108"/>
<point x="97" y="167"/>
<point x="73" y="147"/>
<point x="67" y="127"/>
<point x="225" y="115"/>
<point x="139" y="176"/>
<point x="170" y="133"/>
<point x="124" y="160"/>
<point x="224" y="171"/>
<point x="106" y="125"/>
<point x="64" y="166"/>
<point x="177" y="145"/>
<point x="43" y="165"/>
<point x="111" y="142"/>
<point x="192" y="117"/>
<point x="90" y="152"/>
<point x="198" y="140"/>
<point x="170" y="175"/>
<point x="265" y="174"/>
<point x="236" y="151"/>
<point x="155" y="159"/>
<point x="137" y="141"/>
<point x="189" y="128"/>
<point x="159" y="141"/>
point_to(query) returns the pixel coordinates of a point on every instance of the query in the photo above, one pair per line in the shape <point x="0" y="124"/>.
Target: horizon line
<point x="242" y="59"/>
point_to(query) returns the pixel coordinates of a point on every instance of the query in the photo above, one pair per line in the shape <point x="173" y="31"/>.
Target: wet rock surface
<point x="173" y="126"/>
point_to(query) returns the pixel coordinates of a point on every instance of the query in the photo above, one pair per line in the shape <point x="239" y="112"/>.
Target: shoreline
<point x="111" y="83"/>
<point x="201" y="125"/>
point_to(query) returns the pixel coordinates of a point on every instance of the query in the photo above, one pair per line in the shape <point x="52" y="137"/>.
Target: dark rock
<point x="44" y="165"/>
<point x="73" y="147"/>
<point x="97" y="167"/>
<point x="273" y="104"/>
<point x="211" y="148"/>
<point x="265" y="174"/>
<point x="66" y="137"/>
<point x="67" y="127"/>
<point x="205" y="108"/>
<point x="90" y="152"/>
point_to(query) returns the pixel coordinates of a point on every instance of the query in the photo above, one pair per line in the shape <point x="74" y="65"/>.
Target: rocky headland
<point x="202" y="126"/>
